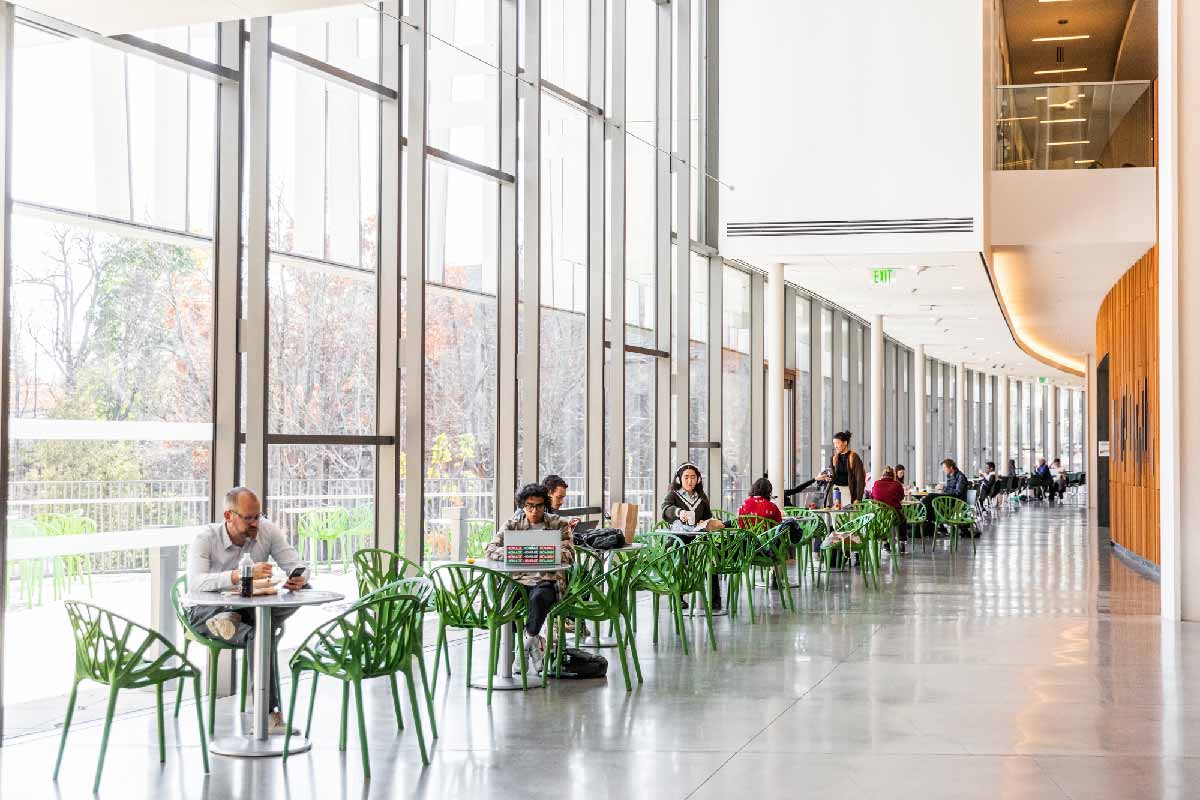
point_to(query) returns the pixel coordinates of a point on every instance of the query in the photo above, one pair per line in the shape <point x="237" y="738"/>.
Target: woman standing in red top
<point x="759" y="502"/>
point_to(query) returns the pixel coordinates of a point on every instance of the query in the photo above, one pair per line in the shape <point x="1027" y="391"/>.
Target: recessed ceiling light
<point x="1081" y="94"/>
<point x="1059" y="144"/>
<point x="958" y="288"/>
<point x="1063" y="38"/>
<point x="1041" y="98"/>
<point x="1013" y="119"/>
<point x="1084" y="161"/>
<point x="980" y="339"/>
<point x="1057" y="71"/>
<point x="1072" y="119"/>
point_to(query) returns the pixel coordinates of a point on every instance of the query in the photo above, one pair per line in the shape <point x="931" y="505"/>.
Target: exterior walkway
<point x="1037" y="668"/>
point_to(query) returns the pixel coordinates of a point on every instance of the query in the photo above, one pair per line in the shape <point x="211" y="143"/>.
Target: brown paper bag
<point x="625" y="519"/>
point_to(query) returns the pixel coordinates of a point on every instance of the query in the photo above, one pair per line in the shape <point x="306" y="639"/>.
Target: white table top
<point x="303" y="597"/>
<point x="500" y="566"/>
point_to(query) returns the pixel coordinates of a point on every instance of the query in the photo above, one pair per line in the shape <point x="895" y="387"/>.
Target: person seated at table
<point x="890" y="492"/>
<point x="759" y="503"/>
<point x="988" y="483"/>
<point x="955" y="484"/>
<point x="556" y="489"/>
<point x="901" y="474"/>
<point x="687" y="510"/>
<point x="1058" y="479"/>
<point x="544" y="588"/>
<point x="1040" y="480"/>
<point x="213" y="561"/>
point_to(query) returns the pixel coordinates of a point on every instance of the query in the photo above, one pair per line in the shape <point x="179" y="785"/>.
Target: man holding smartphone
<point x="213" y="561"/>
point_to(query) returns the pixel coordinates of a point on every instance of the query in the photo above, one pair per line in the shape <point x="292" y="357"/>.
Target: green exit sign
<point x="882" y="276"/>
<point x="1041" y="380"/>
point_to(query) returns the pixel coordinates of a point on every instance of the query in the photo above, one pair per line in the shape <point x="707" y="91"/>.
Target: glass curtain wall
<point x="803" y="426"/>
<point x="735" y="388"/>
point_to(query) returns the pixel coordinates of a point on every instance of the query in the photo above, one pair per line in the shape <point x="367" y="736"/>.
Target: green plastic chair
<point x="673" y="570"/>
<point x="360" y="527"/>
<point x="377" y="637"/>
<point x="600" y="595"/>
<point x="851" y="525"/>
<point x="191" y="633"/>
<point x="915" y="519"/>
<point x="111" y="650"/>
<point x="772" y="547"/>
<point x="795" y="512"/>
<point x="30" y="572"/>
<point x="74" y="567"/>
<point x="812" y="528"/>
<point x="479" y="533"/>
<point x="730" y="551"/>
<point x="328" y="524"/>
<point x="474" y="598"/>
<point x="375" y="567"/>
<point x="882" y="529"/>
<point x="728" y="518"/>
<point x="954" y="514"/>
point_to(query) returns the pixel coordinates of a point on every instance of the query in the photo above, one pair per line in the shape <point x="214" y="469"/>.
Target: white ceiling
<point x="110" y="17"/>
<point x="943" y="301"/>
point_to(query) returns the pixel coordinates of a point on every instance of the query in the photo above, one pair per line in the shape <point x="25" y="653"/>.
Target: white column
<point x="1178" y="125"/>
<point x="1052" y="446"/>
<point x="916" y="471"/>
<point x="960" y="415"/>
<point x="776" y="346"/>
<point x="1002" y="424"/>
<point x="877" y="443"/>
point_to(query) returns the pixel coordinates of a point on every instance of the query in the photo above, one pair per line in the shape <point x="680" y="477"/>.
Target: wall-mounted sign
<point x="1102" y="449"/>
<point x="882" y="276"/>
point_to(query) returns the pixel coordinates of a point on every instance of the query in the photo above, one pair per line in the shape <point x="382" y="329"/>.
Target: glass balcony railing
<point x="1075" y="125"/>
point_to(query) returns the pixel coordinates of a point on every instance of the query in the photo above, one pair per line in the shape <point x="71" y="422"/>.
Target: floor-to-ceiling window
<point x="804" y="395"/>
<point x="827" y="411"/>
<point x="735" y="387"/>
<point x="111" y="320"/>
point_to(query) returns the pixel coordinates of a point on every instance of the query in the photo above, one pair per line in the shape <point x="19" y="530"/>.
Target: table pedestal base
<point x="501" y="684"/>
<point x="249" y="747"/>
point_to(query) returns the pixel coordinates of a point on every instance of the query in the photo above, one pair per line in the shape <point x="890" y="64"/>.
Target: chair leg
<point x="162" y="743"/>
<point x="429" y="695"/>
<point x="749" y="594"/>
<point x="213" y="655"/>
<point x="412" y="697"/>
<point x="621" y="651"/>
<point x="362" y="724"/>
<point x="437" y="653"/>
<point x="244" y="657"/>
<point x="291" y="715"/>
<point x="677" y="608"/>
<point x="108" y="718"/>
<point x="179" y="682"/>
<point x="396" y="701"/>
<point x="654" y="608"/>
<point x="470" y="643"/>
<point x="312" y="702"/>
<point x="62" y="743"/>
<point x="200" y="722"/>
<point x="493" y="650"/>
<point x="345" y="711"/>
<point x="712" y="639"/>
<point x="631" y="640"/>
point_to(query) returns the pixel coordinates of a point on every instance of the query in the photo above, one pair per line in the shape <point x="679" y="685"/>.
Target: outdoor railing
<point x="1074" y="125"/>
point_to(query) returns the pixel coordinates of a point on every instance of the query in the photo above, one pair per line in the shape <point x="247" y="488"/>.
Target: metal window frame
<point x="662" y="230"/>
<point x="594" y="403"/>
<point x="680" y="12"/>
<point x="816" y="394"/>
<point x="758" y="376"/>
<point x="508" y="280"/>
<point x="413" y="199"/>
<point x="7" y="47"/>
<point x="255" y="331"/>
<point x="531" y="294"/>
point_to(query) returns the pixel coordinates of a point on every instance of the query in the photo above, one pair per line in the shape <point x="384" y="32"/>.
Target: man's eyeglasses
<point x="535" y="506"/>
<point x="247" y="517"/>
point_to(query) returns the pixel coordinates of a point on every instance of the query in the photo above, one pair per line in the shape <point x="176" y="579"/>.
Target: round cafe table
<point x="256" y="742"/>
<point x="504" y="680"/>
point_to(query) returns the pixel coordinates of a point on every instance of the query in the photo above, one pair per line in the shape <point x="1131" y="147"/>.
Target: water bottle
<point x="246" y="571"/>
<point x="837" y="497"/>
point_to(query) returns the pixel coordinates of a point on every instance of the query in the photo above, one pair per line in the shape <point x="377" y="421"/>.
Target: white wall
<point x="856" y="109"/>
<point x="1083" y="206"/>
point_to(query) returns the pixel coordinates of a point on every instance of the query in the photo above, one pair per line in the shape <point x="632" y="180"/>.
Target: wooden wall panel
<point x="1127" y="332"/>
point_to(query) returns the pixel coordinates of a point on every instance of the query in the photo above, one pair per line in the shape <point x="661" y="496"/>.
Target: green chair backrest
<point x="858" y="523"/>
<point x="479" y="533"/>
<point x="795" y="512"/>
<point x="884" y="517"/>
<point x="471" y="596"/>
<point x="323" y="523"/>
<point x="755" y="523"/>
<point x="360" y="520"/>
<point x="730" y="550"/>
<point x="609" y="585"/>
<point x="727" y="517"/>
<point x="950" y="509"/>
<point x="812" y="527"/>
<point x="72" y="524"/>
<point x="419" y="587"/>
<point x="375" y="567"/>
<point x="375" y="637"/>
<point x="111" y="649"/>
<point x="914" y="513"/>
<point x="772" y="546"/>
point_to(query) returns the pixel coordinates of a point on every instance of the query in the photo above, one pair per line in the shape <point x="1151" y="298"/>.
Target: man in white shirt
<point x="213" y="566"/>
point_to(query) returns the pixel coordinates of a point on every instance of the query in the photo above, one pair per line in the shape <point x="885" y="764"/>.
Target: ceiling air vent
<point x="852" y="227"/>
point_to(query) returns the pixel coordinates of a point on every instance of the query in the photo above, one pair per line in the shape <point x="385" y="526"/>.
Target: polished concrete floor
<point x="1036" y="668"/>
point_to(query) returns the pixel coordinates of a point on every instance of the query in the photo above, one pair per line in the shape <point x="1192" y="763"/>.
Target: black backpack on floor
<point x="579" y="665"/>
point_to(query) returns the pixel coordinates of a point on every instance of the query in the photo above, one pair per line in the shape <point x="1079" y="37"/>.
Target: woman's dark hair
<point x="532" y="490"/>
<point x="949" y="462"/>
<point x="552" y="482"/>
<point x="676" y="484"/>
<point x="900" y="467"/>
<point x="761" y="488"/>
<point x="843" y="436"/>
<point x="990" y="465"/>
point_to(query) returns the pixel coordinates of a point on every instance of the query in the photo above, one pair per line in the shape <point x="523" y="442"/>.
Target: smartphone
<point x="296" y="573"/>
